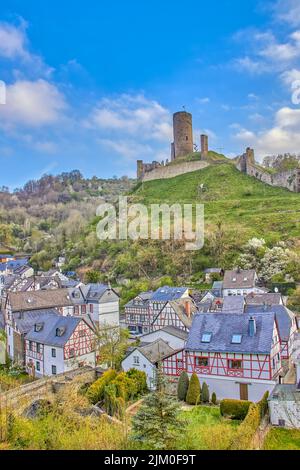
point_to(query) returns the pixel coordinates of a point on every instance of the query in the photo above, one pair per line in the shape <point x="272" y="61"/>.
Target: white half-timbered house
<point x="175" y="313"/>
<point x="57" y="344"/>
<point x="241" y="282"/>
<point x="238" y="356"/>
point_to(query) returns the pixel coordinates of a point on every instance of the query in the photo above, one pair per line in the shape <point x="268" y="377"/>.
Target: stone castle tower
<point x="183" y="135"/>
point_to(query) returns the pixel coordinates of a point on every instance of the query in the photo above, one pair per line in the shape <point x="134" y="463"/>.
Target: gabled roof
<point x="48" y="335"/>
<point x="41" y="299"/>
<point x="13" y="264"/>
<point x="156" y="351"/>
<point x="25" y="320"/>
<point x="270" y="298"/>
<point x="165" y="294"/>
<point x="239" y="279"/>
<point x="170" y="330"/>
<point x="283" y="315"/>
<point x="179" y="308"/>
<point x="222" y="327"/>
<point x="233" y="304"/>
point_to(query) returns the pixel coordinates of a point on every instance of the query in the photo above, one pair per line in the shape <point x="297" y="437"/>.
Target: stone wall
<point x="20" y="397"/>
<point x="171" y="171"/>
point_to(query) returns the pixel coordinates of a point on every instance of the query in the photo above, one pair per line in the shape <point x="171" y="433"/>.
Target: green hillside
<point x="242" y="203"/>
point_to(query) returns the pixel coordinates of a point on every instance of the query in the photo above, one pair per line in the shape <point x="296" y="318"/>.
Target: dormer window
<point x="206" y="338"/>
<point x="38" y="327"/>
<point x="236" y="339"/>
<point x="60" y="331"/>
<point x="245" y="279"/>
<point x="234" y="279"/>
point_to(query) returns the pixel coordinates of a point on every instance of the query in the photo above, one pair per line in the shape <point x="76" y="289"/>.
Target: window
<point x="206" y="338"/>
<point x="53" y="352"/>
<point x="235" y="364"/>
<point x="142" y="318"/>
<point x="132" y="318"/>
<point x="76" y="310"/>
<point x="179" y="363"/>
<point x="201" y="361"/>
<point x="81" y="333"/>
<point x="38" y="365"/>
<point x="83" y="309"/>
<point x="236" y="339"/>
<point x="30" y="345"/>
<point x="136" y="360"/>
<point x="274" y="365"/>
<point x="53" y="369"/>
<point x="91" y="308"/>
<point x="72" y="353"/>
<point x="38" y="347"/>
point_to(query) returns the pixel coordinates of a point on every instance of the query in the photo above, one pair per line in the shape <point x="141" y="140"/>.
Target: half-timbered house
<point x="57" y="344"/>
<point x="241" y="282"/>
<point x="238" y="356"/>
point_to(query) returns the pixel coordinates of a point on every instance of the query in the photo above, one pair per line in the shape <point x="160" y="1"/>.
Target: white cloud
<point x="128" y="149"/>
<point x="250" y="65"/>
<point x="283" y="137"/>
<point x="288" y="11"/>
<point x="203" y="100"/>
<point x="14" y="46"/>
<point x="33" y="104"/>
<point x="290" y="76"/>
<point x="132" y="115"/>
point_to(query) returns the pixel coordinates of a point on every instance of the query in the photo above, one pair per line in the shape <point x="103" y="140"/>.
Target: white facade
<point x="243" y="291"/>
<point x="284" y="407"/>
<point x="136" y="360"/>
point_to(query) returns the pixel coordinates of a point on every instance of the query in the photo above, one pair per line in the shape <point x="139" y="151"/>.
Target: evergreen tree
<point x="194" y="391"/>
<point x="214" y="398"/>
<point x="205" y="393"/>
<point x="157" y="424"/>
<point x="183" y="386"/>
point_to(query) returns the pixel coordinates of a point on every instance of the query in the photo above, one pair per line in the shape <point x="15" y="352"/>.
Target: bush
<point x="214" y="398"/>
<point x="95" y="392"/>
<point x="243" y="438"/>
<point x="263" y="405"/>
<point x="183" y="386"/>
<point x="140" y="379"/>
<point x="193" y="395"/>
<point x="235" y="409"/>
<point x="205" y="393"/>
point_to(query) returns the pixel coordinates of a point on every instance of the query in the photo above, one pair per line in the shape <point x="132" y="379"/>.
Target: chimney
<point x="252" y="327"/>
<point x="188" y="308"/>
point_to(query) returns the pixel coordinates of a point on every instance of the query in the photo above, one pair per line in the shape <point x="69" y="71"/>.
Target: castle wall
<point x="171" y="171"/>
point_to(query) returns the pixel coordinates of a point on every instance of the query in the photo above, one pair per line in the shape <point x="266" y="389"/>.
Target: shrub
<point x="183" y="386"/>
<point x="263" y="405"/>
<point x="95" y="392"/>
<point x="194" y="391"/>
<point x="243" y="439"/>
<point x="140" y="379"/>
<point x="205" y="393"/>
<point x="235" y="409"/>
<point x="214" y="398"/>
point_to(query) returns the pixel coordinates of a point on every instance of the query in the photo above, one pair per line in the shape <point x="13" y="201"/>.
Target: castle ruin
<point x="182" y="147"/>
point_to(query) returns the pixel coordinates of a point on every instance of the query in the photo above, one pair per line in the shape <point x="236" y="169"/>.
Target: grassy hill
<point x="243" y="204"/>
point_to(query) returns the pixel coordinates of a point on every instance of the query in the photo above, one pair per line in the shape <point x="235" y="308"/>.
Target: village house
<point x="238" y="356"/>
<point x="56" y="344"/>
<point x="99" y="301"/>
<point x="241" y="282"/>
<point x="146" y="358"/>
<point x="145" y="313"/>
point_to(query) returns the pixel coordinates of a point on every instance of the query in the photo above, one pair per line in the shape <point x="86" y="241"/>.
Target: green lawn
<point x="282" y="439"/>
<point x="206" y="429"/>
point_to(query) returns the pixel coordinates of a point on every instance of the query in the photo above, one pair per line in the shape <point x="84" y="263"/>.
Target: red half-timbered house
<point x="238" y="356"/>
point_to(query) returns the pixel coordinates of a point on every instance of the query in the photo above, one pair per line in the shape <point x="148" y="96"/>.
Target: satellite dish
<point x="276" y="290"/>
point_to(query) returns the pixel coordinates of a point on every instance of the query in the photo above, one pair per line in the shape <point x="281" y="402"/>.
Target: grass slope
<point x="240" y="201"/>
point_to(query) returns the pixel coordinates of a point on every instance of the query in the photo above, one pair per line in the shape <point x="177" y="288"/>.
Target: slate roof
<point x="171" y="330"/>
<point x="224" y="326"/>
<point x="285" y="392"/>
<point x="244" y="279"/>
<point x="41" y="299"/>
<point x="233" y="304"/>
<point x="282" y="314"/>
<point x="13" y="264"/>
<point x="48" y="333"/>
<point x="179" y="308"/>
<point x="261" y="299"/>
<point x="165" y="294"/>
<point x="90" y="293"/>
<point x="156" y="351"/>
<point x="25" y="320"/>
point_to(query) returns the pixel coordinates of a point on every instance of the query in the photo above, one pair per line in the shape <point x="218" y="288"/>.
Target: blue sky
<point x="92" y="86"/>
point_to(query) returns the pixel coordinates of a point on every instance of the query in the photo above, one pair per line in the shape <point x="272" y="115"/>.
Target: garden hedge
<point x="235" y="409"/>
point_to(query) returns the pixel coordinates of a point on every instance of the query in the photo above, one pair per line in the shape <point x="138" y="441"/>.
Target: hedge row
<point x="246" y="431"/>
<point x="234" y="409"/>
